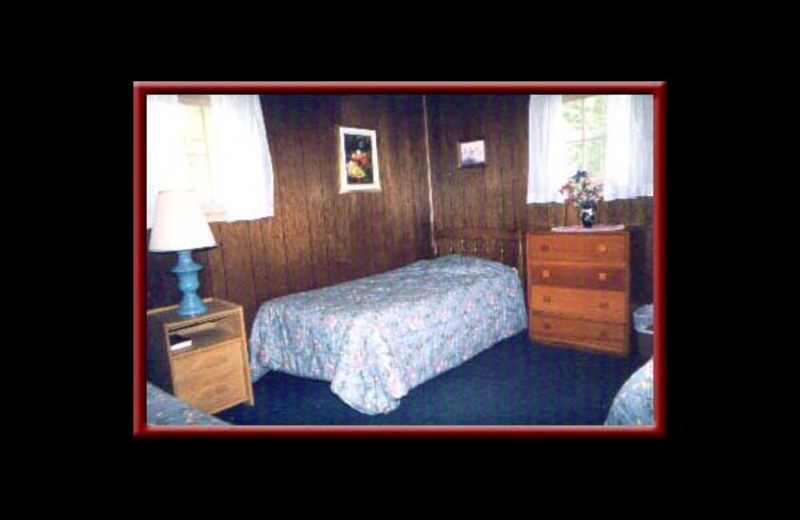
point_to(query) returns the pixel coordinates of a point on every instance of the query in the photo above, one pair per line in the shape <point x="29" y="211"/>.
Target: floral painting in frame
<point x="359" y="169"/>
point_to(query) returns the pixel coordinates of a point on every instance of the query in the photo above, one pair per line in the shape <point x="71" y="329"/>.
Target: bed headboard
<point x="500" y="245"/>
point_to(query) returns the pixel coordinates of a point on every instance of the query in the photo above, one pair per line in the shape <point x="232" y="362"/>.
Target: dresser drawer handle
<point x="545" y="273"/>
<point x="602" y="248"/>
<point x="547" y="326"/>
<point x="604" y="305"/>
<point x="602" y="277"/>
<point x="604" y="334"/>
<point x="547" y="298"/>
<point x="545" y="247"/>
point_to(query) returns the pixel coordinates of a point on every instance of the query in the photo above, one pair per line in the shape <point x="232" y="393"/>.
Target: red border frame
<point x="657" y="88"/>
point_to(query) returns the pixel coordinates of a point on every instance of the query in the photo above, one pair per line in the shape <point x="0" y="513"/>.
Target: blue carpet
<point x="512" y="383"/>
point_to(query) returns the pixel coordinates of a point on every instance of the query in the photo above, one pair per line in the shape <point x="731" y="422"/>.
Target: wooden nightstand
<point x="214" y="372"/>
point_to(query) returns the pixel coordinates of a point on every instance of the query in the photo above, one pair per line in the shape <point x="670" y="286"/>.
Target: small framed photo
<point x="359" y="169"/>
<point x="471" y="153"/>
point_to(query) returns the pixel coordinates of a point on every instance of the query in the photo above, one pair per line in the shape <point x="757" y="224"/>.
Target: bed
<point x="164" y="408"/>
<point x="376" y="338"/>
<point x="633" y="404"/>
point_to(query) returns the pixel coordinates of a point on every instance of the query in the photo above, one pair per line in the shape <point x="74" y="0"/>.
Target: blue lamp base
<point x="188" y="282"/>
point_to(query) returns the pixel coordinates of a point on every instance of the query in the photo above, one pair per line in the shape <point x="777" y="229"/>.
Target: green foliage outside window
<point x="585" y="120"/>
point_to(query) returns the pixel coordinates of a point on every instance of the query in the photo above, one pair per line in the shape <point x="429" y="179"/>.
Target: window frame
<point x="601" y="137"/>
<point x="203" y="182"/>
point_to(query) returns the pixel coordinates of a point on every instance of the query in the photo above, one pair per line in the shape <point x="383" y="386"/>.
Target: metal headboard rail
<point x="474" y="241"/>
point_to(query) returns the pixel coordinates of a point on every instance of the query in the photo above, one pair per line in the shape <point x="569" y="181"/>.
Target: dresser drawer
<point x="578" y="276"/>
<point x="211" y="394"/>
<point x="580" y="303"/>
<point x="600" y="248"/>
<point x="603" y="335"/>
<point x="209" y="362"/>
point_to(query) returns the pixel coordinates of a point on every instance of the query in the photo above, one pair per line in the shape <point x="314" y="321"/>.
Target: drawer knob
<point x="547" y="326"/>
<point x="545" y="273"/>
<point x="602" y="248"/>
<point x="545" y="247"/>
<point x="546" y="298"/>
<point x="604" y="305"/>
<point x="602" y="277"/>
<point x="604" y="334"/>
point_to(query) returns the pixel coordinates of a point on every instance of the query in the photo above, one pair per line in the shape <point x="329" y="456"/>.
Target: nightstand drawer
<point x="600" y="248"/>
<point x="608" y="336"/>
<point x="208" y="362"/>
<point x="578" y="276"/>
<point x="580" y="303"/>
<point x="211" y="394"/>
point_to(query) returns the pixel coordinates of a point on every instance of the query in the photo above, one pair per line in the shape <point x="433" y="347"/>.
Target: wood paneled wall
<point x="494" y="195"/>
<point x="318" y="237"/>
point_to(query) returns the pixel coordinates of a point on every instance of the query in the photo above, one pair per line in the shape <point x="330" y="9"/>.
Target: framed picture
<point x="471" y="153"/>
<point x="359" y="169"/>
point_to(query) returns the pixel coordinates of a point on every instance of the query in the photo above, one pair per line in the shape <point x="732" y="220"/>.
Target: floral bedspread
<point x="376" y="338"/>
<point x="633" y="404"/>
<point x="164" y="408"/>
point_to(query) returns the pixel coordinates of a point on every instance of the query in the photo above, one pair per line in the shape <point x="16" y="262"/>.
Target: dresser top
<point x="594" y="229"/>
<point x="563" y="231"/>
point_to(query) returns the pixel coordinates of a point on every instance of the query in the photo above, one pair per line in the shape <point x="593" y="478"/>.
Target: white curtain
<point x="629" y="147"/>
<point x="547" y="149"/>
<point x="240" y="159"/>
<point x="166" y="159"/>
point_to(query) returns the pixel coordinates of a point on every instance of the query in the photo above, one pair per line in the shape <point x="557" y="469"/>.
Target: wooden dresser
<point x="579" y="290"/>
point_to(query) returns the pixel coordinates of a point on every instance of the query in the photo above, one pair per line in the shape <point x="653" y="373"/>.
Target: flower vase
<point x="587" y="214"/>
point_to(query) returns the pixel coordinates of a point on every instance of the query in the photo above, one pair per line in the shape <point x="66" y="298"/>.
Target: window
<point x="214" y="144"/>
<point x="608" y="136"/>
<point x="585" y="120"/>
<point x="196" y="119"/>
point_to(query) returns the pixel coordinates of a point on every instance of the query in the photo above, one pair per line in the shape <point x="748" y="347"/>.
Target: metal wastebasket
<point x="643" y="323"/>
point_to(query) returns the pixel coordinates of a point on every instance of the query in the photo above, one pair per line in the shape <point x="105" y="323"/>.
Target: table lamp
<point x="180" y="226"/>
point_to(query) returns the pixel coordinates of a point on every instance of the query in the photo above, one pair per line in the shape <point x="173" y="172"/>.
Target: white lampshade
<point x="179" y="223"/>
